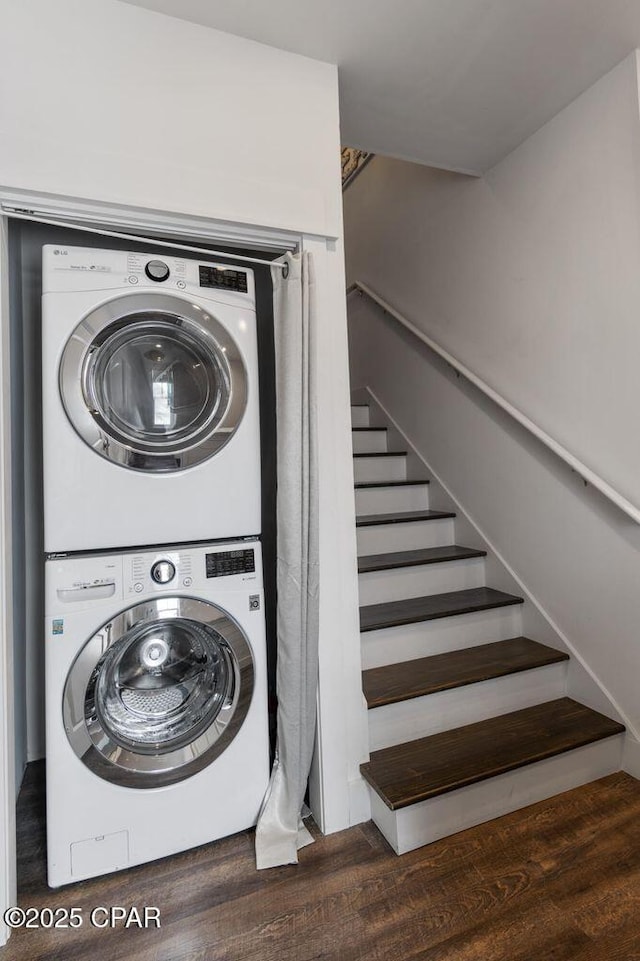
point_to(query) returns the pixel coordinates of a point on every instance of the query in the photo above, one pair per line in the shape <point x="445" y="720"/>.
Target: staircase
<point x="468" y="719"/>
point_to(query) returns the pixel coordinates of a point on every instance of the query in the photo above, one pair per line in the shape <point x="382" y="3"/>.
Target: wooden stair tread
<point x="369" y="428"/>
<point x="417" y="770"/>
<point x="361" y="485"/>
<point x="401" y="517"/>
<point x="413" y="609"/>
<point x="415" y="558"/>
<point x="443" y="672"/>
<point x="383" y="453"/>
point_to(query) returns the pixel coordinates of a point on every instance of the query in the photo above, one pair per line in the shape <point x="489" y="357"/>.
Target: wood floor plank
<point x="514" y="888"/>
<point x="442" y="672"/>
<point x="408" y="773"/>
<point x="543" y="934"/>
<point x="518" y="888"/>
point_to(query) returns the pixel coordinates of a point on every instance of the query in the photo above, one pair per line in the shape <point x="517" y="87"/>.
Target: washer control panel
<point x="83" y="581"/>
<point x="149" y="572"/>
<point x="192" y="569"/>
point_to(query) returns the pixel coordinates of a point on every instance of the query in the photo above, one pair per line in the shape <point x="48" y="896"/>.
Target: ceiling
<point x="450" y="83"/>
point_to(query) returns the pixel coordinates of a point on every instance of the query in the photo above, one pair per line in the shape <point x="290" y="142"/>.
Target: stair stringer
<point x="582" y="683"/>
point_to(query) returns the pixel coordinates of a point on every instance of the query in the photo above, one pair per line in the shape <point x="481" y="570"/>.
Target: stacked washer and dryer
<point x="155" y="663"/>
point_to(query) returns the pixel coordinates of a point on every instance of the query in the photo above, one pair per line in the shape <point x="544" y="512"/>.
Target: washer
<point x="156" y="703"/>
<point x="150" y="400"/>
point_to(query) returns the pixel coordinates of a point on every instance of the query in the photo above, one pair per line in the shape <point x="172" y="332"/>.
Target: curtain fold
<point x="280" y="831"/>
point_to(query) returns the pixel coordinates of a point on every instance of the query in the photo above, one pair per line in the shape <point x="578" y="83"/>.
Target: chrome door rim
<point x="111" y="760"/>
<point x="89" y="423"/>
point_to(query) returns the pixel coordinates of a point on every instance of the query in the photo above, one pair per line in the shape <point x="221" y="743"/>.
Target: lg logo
<point x="63" y="253"/>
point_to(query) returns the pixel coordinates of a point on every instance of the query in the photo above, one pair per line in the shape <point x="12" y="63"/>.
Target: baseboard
<point x="631" y="756"/>
<point x="359" y="802"/>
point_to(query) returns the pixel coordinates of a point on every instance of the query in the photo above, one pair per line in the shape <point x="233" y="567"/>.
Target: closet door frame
<point x="8" y="891"/>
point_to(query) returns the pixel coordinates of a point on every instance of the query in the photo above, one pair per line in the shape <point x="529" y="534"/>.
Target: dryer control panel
<point x="85" y="268"/>
<point x="224" y="278"/>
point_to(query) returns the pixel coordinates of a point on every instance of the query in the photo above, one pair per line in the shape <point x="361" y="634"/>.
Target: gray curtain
<point x="280" y="831"/>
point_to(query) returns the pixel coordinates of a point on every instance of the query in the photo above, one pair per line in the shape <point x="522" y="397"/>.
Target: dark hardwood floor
<point x="559" y="880"/>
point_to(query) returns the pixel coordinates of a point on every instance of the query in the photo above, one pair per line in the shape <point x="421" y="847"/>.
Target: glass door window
<point x="153" y="389"/>
<point x="159" y="692"/>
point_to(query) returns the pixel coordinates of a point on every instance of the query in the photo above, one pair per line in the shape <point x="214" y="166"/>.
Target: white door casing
<point x="7" y="759"/>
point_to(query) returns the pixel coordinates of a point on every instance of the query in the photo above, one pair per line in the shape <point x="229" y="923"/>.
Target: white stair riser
<point x="439" y="817"/>
<point x="380" y="538"/>
<point x="391" y="500"/>
<point x="395" y="644"/>
<point x="368" y="441"/>
<point x="379" y="468"/>
<point x="433" y="713"/>
<point x="359" y="416"/>
<point x="400" y="582"/>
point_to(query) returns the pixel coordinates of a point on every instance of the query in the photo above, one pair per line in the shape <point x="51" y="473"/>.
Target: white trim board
<point x="8" y="890"/>
<point x="631" y="756"/>
<point x="155" y="223"/>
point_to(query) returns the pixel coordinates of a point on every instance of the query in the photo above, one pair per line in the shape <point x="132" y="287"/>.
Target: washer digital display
<point x="230" y="562"/>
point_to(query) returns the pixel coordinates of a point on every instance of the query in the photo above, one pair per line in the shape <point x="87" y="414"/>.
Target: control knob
<point x="163" y="571"/>
<point x="157" y="270"/>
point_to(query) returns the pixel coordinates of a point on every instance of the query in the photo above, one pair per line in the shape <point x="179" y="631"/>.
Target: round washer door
<point x="158" y="692"/>
<point x="153" y="382"/>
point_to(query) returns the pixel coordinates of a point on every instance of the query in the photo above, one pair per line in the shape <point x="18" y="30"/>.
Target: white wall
<point x="531" y="275"/>
<point x="156" y="112"/>
<point x="116" y="104"/>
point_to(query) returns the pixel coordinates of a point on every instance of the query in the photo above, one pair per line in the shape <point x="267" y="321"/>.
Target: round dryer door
<point x="153" y="382"/>
<point x="158" y="692"/>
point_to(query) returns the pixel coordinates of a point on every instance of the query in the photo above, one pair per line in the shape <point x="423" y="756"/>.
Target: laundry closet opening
<point x="26" y="242"/>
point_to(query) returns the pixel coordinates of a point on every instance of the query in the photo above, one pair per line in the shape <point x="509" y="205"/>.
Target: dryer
<point x="150" y="400"/>
<point x="156" y="703"/>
